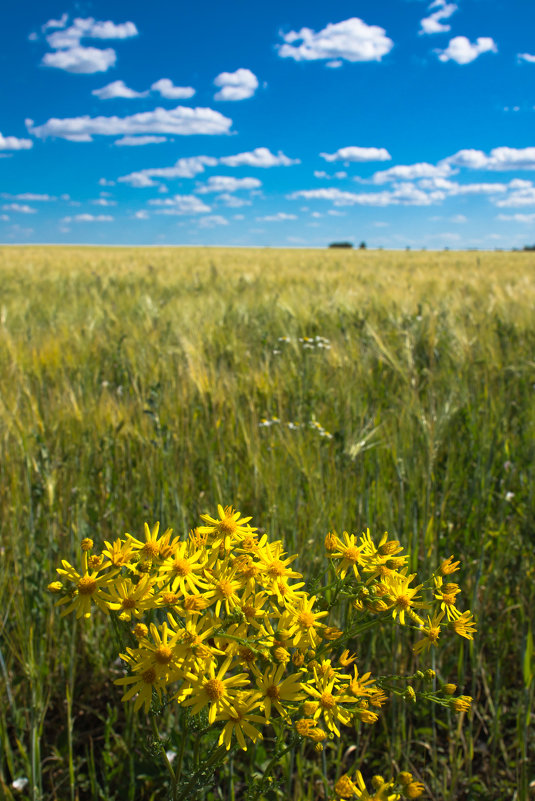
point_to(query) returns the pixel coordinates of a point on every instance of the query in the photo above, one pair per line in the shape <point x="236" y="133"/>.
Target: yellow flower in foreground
<point x="305" y="623"/>
<point x="402" y="597"/>
<point x="239" y="717"/>
<point x="448" y="566"/>
<point x="464" y="626"/>
<point x="329" y="705"/>
<point x="87" y="588"/>
<point x="462" y="703"/>
<point x="150" y="549"/>
<point x="431" y="633"/>
<point x="344" y="787"/>
<point x="227" y="528"/>
<point x="143" y="684"/>
<point x="414" y="790"/>
<point x="275" y="689"/>
<point x="214" y="689"/>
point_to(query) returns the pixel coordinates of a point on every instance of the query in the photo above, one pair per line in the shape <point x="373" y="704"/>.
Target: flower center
<point x="128" y="603"/>
<point x="227" y="526"/>
<point x="432" y="633"/>
<point x="214" y="689"/>
<point x="273" y="692"/>
<point x="403" y="601"/>
<point x="87" y="585"/>
<point x="149" y="676"/>
<point x="327" y="701"/>
<point x="225" y="588"/>
<point x="352" y="554"/>
<point x="163" y="654"/>
<point x="169" y="598"/>
<point x="306" y="619"/>
<point x="181" y="567"/>
<point x="276" y="569"/>
<point x="150" y="549"/>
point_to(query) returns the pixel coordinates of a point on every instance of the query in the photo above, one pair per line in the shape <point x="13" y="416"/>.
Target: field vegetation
<point x="312" y="390"/>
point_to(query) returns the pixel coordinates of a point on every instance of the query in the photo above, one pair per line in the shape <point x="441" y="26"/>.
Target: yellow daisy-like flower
<point x="184" y="570"/>
<point x="464" y="625"/>
<point x="329" y="705"/>
<point x="448" y="566"/>
<point x="214" y="690"/>
<point x="274" y="567"/>
<point x="127" y="598"/>
<point x="274" y="689"/>
<point x="88" y="588"/>
<point x="306" y="623"/>
<point x="404" y="599"/>
<point x="229" y="528"/>
<point x="238" y="718"/>
<point x="223" y="590"/>
<point x="143" y="685"/>
<point x="150" y="549"/>
<point x="348" y="554"/>
<point x="119" y="552"/>
<point x="431" y="633"/>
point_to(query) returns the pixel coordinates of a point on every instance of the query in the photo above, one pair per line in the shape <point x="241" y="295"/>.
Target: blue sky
<point x="399" y="122"/>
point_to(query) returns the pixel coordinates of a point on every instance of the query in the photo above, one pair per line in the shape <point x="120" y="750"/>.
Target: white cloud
<point x="521" y="196"/>
<point x="453" y="188"/>
<point x="180" y="204"/>
<point x="281" y="216"/>
<point x="4" y="217"/>
<point x="212" y="221"/>
<point x="168" y="90"/>
<point x="232" y="201"/>
<point x="500" y="158"/>
<point x="459" y="218"/>
<point x="226" y="183"/>
<point x="259" y="157"/>
<point x="89" y="28"/>
<point x="183" y="168"/>
<point x="88" y="218"/>
<point x="237" y="85"/>
<point x="526" y="57"/>
<point x="350" y="40"/>
<point x="462" y="51"/>
<point x="21" y="208"/>
<point x="133" y="141"/>
<point x="13" y="143"/>
<point x="403" y="194"/>
<point x="323" y="174"/>
<point x="410" y="172"/>
<point x="28" y="196"/>
<point x="358" y="154"/>
<point x="102" y="201"/>
<point x="81" y="60"/>
<point x="180" y="120"/>
<point x="105" y="182"/>
<point x="55" y="23"/>
<point x="521" y="218"/>
<point x="117" y="89"/>
<point x="141" y="215"/>
<point x="432" y="24"/>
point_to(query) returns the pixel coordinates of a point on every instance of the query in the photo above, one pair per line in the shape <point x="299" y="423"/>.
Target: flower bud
<point x="449" y="689"/>
<point x="86" y="544"/>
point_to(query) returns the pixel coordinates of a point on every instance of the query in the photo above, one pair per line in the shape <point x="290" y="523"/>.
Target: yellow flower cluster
<point x="383" y="584"/>
<point x="222" y="623"/>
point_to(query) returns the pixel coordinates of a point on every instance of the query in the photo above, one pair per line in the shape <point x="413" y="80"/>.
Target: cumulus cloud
<point x="133" y="141"/>
<point x="32" y="196"/>
<point x="433" y="24"/>
<point x="526" y="57"/>
<point x="521" y="218"/>
<point x="212" y="221"/>
<point x="358" y="154"/>
<point x="89" y="28"/>
<point x="349" y="40"/>
<point x="181" y="120"/>
<point x="226" y="183"/>
<point x="500" y="158"/>
<point x="168" y="90"/>
<point x="281" y="216"/>
<point x="463" y="51"/>
<point x="259" y="157"/>
<point x="323" y="174"/>
<point x="410" y="172"/>
<point x="403" y="194"/>
<point x="522" y="193"/>
<point x="56" y="23"/>
<point x="13" y="143"/>
<point x="22" y="208"/>
<point x="183" y="168"/>
<point x="81" y="60"/>
<point x="70" y="55"/>
<point x="232" y="201"/>
<point x="237" y="85"/>
<point x="117" y="89"/>
<point x="180" y="204"/>
<point x="88" y="218"/>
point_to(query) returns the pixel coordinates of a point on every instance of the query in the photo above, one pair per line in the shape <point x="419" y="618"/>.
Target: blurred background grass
<point x="152" y="384"/>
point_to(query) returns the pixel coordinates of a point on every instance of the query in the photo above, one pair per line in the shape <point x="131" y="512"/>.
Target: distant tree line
<point x="362" y="245"/>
